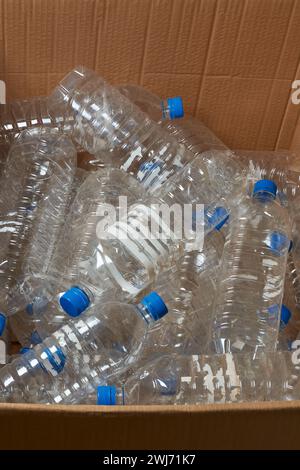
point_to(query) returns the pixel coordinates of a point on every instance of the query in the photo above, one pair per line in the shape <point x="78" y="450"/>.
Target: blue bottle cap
<point x="106" y="395"/>
<point x="35" y="338"/>
<point x="168" y="386"/>
<point x="29" y="309"/>
<point x="273" y="311"/>
<point x="175" y="106"/>
<point x="24" y="350"/>
<point x="155" y="305"/>
<point x="74" y="301"/>
<point x="285" y="315"/>
<point x="218" y="217"/>
<point x="2" y="323"/>
<point x="265" y="187"/>
<point x="278" y="242"/>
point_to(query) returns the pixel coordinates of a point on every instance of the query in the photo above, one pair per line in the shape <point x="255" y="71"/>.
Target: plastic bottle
<point x="222" y="378"/>
<point x="292" y="299"/>
<point x="251" y="280"/>
<point x="223" y="169"/>
<point x="79" y="259"/>
<point x="86" y="269"/>
<point x="82" y="354"/>
<point x="20" y="115"/>
<point x="275" y="165"/>
<point x="34" y="193"/>
<point x="189" y="289"/>
<point x="33" y="293"/>
<point x="284" y="337"/>
<point x="157" y="109"/>
<point x="107" y="122"/>
<point x="189" y="131"/>
<point x="3" y="339"/>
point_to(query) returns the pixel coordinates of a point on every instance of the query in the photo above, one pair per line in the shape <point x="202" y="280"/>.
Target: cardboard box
<point x="234" y="63"/>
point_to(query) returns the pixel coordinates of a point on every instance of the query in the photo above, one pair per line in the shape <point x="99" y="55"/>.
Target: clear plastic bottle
<point x="108" y="123"/>
<point x="189" y="131"/>
<point x="222" y="378"/>
<point x="158" y="109"/>
<point x="81" y="258"/>
<point x="251" y="280"/>
<point x="20" y="115"/>
<point x="3" y="339"/>
<point x="23" y="322"/>
<point x="284" y="338"/>
<point x="295" y="214"/>
<point x="189" y="289"/>
<point x="275" y="165"/>
<point x="292" y="298"/>
<point x="223" y="169"/>
<point x="82" y="354"/>
<point x="225" y="172"/>
<point x="34" y="193"/>
<point x="86" y="268"/>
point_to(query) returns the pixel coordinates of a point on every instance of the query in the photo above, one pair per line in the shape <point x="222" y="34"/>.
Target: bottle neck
<point x="143" y="311"/>
<point x="264" y="196"/>
<point x="166" y="112"/>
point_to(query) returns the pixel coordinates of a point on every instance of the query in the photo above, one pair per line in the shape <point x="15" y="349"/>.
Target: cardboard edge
<point x="280" y="406"/>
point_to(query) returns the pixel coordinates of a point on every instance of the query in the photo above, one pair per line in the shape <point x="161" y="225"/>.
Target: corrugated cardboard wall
<point x="233" y="61"/>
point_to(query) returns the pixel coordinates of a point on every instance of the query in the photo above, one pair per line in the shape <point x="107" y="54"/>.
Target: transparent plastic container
<point x="275" y="165"/>
<point x="34" y="193"/>
<point x="251" y="280"/>
<point x="189" y="130"/>
<point x="108" y="124"/>
<point x="20" y="115"/>
<point x="100" y="269"/>
<point x="223" y="378"/>
<point x="189" y="289"/>
<point x="67" y="366"/>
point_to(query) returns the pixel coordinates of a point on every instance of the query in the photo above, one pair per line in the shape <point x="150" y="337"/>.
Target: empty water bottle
<point x="284" y="337"/>
<point x="189" y="289"/>
<point x="34" y="194"/>
<point x="3" y="339"/>
<point x="224" y="378"/>
<point x="189" y="131"/>
<point x="32" y="292"/>
<point x="157" y="109"/>
<point x="82" y="354"/>
<point x="292" y="299"/>
<point x="97" y="268"/>
<point x="107" y="122"/>
<point x="251" y="280"/>
<point x="275" y="165"/>
<point x="18" y="116"/>
<point x="223" y="169"/>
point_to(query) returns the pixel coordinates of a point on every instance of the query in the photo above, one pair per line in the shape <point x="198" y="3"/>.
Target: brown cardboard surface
<point x="260" y="426"/>
<point x="233" y="61"/>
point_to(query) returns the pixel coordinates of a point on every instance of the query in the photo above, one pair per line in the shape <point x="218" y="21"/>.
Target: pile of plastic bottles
<point x="142" y="261"/>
